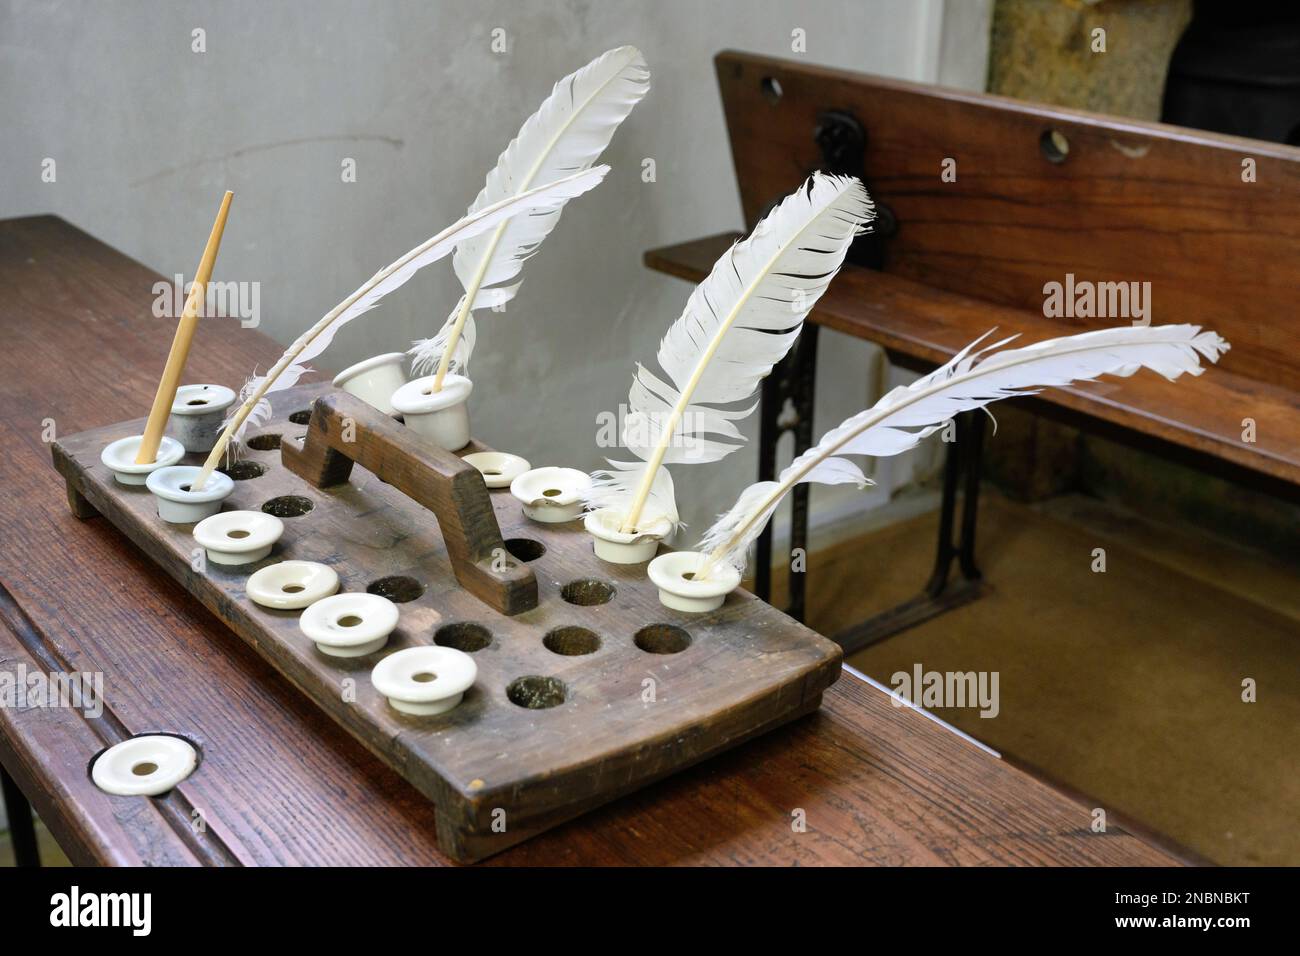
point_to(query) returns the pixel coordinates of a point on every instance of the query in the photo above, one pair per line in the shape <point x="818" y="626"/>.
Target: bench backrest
<point x="1217" y="237"/>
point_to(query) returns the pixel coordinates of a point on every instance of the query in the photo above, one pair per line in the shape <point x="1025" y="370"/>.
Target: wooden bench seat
<point x="921" y="326"/>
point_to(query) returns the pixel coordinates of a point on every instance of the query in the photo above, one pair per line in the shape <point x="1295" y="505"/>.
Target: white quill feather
<point x="292" y="364"/>
<point x="738" y="323"/>
<point x="972" y="379"/>
<point x="568" y="133"/>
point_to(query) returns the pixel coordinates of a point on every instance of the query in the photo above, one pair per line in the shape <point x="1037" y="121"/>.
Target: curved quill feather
<point x="971" y="380"/>
<point x="738" y="323"/>
<point x="291" y="365"/>
<point x="568" y="133"/>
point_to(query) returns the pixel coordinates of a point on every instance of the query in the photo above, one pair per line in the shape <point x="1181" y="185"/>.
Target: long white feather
<point x="973" y="379"/>
<point x="568" y="133"/>
<point x="738" y="323"/>
<point x="292" y="364"/>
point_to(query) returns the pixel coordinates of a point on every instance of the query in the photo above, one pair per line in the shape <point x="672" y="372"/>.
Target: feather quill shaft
<point x="738" y="323"/>
<point x="568" y="133"/>
<point x="972" y="379"/>
<point x="290" y="367"/>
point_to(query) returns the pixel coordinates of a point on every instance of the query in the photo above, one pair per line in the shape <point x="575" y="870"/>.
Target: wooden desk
<point x="279" y="783"/>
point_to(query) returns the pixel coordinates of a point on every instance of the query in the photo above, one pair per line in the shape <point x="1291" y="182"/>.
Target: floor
<point x="1125" y="685"/>
<point x="51" y="855"/>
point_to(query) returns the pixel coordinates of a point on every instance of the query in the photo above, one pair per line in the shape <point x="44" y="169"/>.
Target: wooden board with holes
<point x="660" y="691"/>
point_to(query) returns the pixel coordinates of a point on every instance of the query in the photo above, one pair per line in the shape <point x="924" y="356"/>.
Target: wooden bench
<point x="1211" y="222"/>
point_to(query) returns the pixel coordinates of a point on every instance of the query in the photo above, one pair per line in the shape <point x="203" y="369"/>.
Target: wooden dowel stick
<point x="180" y="351"/>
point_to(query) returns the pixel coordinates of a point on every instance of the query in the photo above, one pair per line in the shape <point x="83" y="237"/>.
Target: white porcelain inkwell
<point x="616" y="546"/>
<point x="198" y="412"/>
<point x="497" y="468"/>
<point x="238" y="537"/>
<point x="425" y="680"/>
<point x="674" y="575"/>
<point x="290" y="585"/>
<point x="551" y="495"/>
<point x="350" y="625"/>
<point x="375" y="380"/>
<point x="144" y="766"/>
<point x="441" y="417"/>
<point x="177" y="504"/>
<point x="119" y="458"/>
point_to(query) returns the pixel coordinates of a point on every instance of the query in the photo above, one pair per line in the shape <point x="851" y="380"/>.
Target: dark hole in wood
<point x="536" y="693"/>
<point x="288" y="506"/>
<point x="463" y="636"/>
<point x="1054" y="145"/>
<point x="571" y="641"/>
<point x="244" y="470"/>
<point x="525" y="549"/>
<point x="301" y="417"/>
<point x="772" y="91"/>
<point x="587" y="592"/>
<point x="264" y="442"/>
<point x="398" y="589"/>
<point x="662" y="639"/>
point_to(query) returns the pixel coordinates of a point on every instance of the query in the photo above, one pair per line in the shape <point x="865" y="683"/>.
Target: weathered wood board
<point x="630" y="715"/>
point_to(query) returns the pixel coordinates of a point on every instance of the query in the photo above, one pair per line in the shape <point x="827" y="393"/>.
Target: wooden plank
<point x="281" y="783"/>
<point x="917" y="323"/>
<point x="1131" y="202"/>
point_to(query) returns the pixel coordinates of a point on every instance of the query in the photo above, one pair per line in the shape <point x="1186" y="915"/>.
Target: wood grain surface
<point x="1129" y="202"/>
<point x="921" y="326"/>
<point x="280" y="782"/>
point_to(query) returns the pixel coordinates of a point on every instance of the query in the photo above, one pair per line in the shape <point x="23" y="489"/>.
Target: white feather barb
<point x="292" y="364"/>
<point x="738" y="323"/>
<point x="568" y="133"/>
<point x="972" y="379"/>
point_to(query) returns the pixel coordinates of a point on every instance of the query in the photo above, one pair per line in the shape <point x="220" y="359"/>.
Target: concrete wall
<point x="146" y="133"/>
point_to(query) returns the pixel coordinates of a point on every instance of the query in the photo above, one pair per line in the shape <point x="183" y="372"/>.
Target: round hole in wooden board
<point x="288" y="506"/>
<point x="525" y="549"/>
<point x="771" y="88"/>
<point x="1054" y="145"/>
<point x="587" y="592"/>
<point x="536" y="692"/>
<point x="265" y="442"/>
<point x="244" y="470"/>
<point x="397" y="588"/>
<point x="463" y="636"/>
<point x="662" y="639"/>
<point x="571" y="641"/>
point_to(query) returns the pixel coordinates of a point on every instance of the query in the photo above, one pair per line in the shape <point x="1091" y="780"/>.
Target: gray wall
<point x="146" y="134"/>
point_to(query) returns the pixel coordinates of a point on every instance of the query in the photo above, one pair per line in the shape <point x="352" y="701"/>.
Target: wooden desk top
<point x="279" y="783"/>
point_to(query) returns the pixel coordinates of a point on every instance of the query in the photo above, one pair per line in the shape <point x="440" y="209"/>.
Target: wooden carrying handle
<point x="431" y="476"/>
